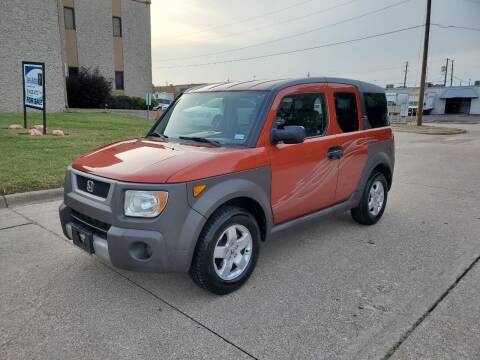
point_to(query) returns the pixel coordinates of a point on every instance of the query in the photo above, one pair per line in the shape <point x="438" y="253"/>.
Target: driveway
<point x="406" y="287"/>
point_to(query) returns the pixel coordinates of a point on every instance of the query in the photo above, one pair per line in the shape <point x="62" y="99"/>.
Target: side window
<point x="347" y="113"/>
<point x="307" y="110"/>
<point x="376" y="106"/>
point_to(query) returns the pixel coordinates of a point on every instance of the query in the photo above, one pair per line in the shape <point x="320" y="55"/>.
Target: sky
<point x="195" y="41"/>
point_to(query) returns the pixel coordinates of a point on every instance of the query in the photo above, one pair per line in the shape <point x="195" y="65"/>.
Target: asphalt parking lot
<point x="407" y="287"/>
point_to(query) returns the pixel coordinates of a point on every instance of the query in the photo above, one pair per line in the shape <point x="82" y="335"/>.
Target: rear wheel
<point x="227" y="251"/>
<point x="373" y="202"/>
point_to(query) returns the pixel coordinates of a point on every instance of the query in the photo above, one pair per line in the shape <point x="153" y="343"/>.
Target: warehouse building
<point x="440" y="100"/>
<point x="111" y="35"/>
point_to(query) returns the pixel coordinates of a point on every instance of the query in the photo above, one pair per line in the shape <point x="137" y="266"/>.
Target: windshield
<point x="226" y="118"/>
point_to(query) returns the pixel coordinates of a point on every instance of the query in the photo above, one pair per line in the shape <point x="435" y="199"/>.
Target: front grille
<point x="96" y="226"/>
<point x="94" y="187"/>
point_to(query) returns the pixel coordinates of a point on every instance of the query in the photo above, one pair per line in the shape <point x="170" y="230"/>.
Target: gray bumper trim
<point x="100" y="245"/>
<point x="101" y="248"/>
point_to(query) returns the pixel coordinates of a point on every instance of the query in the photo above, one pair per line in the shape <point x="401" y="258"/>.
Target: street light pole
<point x="426" y="39"/>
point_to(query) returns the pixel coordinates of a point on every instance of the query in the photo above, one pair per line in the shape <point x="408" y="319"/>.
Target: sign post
<point x="33" y="74"/>
<point x="148" y="102"/>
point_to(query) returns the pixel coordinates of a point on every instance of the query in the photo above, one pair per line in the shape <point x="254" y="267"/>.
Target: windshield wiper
<point x="201" y="139"/>
<point x="154" y="134"/>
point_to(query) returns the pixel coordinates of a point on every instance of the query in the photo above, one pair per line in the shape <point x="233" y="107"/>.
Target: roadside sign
<point x="33" y="81"/>
<point x="148" y="102"/>
<point x="148" y="99"/>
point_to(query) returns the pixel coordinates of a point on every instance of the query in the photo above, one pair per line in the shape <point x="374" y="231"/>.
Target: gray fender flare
<point x="253" y="184"/>
<point x="376" y="157"/>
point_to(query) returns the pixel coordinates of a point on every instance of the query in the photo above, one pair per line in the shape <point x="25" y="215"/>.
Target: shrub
<point x="88" y="89"/>
<point x="129" y="102"/>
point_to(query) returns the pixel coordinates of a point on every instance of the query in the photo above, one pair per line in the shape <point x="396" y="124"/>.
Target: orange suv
<point x="226" y="166"/>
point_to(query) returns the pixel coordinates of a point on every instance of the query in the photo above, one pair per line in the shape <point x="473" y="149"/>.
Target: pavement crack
<point x="430" y="309"/>
<point x="33" y="222"/>
<point x="15" y="226"/>
<point x="180" y="311"/>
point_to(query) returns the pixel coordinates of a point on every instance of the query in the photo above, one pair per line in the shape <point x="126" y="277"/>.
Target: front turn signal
<point x="198" y="189"/>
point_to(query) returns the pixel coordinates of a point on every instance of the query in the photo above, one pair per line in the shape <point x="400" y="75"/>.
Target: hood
<point x="150" y="161"/>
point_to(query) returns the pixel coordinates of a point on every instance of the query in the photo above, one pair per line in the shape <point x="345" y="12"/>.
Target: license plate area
<point x="83" y="238"/>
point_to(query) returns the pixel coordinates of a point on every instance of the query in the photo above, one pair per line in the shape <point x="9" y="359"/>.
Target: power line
<point x="293" y="35"/>
<point x="289" y="20"/>
<point x="239" y="21"/>
<point x="296" y="50"/>
<point x="456" y="27"/>
<point x="460" y="79"/>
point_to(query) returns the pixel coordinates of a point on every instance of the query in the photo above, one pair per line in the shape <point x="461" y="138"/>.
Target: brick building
<point x="113" y="35"/>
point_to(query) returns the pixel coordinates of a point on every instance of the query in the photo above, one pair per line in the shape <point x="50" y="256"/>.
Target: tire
<point x="369" y="214"/>
<point x="228" y="225"/>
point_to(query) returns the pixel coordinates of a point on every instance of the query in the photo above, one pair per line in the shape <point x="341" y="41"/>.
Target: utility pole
<point x="451" y="75"/>
<point x="426" y="39"/>
<point x="446" y="73"/>
<point x="405" y="78"/>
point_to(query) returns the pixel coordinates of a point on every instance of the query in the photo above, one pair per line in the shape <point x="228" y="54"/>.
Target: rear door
<point x="303" y="177"/>
<point x="351" y="138"/>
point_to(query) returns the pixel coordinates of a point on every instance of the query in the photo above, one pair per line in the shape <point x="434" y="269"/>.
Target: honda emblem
<point x="90" y="186"/>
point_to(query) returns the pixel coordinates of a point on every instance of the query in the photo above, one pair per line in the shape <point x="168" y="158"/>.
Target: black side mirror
<point x="289" y="135"/>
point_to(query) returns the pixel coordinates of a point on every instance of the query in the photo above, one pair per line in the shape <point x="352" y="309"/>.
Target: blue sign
<point x="33" y="79"/>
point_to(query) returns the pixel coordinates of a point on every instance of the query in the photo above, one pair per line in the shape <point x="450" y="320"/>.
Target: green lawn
<point x="31" y="163"/>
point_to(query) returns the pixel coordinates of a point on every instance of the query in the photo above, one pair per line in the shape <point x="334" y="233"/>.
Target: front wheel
<point x="227" y="251"/>
<point x="373" y="202"/>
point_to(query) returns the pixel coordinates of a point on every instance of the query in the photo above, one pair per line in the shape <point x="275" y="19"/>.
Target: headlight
<point x="146" y="204"/>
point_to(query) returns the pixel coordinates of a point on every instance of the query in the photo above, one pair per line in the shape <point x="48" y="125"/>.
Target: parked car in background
<point x="163" y="105"/>
<point x="226" y="166"/>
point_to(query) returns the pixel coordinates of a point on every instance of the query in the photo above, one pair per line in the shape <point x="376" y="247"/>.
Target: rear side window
<point x="307" y="110"/>
<point x="376" y="106"/>
<point x="347" y="113"/>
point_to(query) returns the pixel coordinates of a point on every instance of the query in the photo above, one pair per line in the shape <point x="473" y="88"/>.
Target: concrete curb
<point x="32" y="197"/>
<point x="3" y="202"/>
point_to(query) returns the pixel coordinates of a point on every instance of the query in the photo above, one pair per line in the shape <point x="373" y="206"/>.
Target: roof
<point x="466" y="93"/>
<point x="278" y="84"/>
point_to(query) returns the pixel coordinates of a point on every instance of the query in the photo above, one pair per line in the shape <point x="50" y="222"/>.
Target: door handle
<point x="335" y="152"/>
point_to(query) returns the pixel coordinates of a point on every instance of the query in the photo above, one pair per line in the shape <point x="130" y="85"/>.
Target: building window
<point x="72" y="71"/>
<point x="69" y="18"/>
<point x="117" y="26"/>
<point x="119" y="80"/>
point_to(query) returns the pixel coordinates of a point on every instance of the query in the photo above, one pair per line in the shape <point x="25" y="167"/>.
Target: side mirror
<point x="289" y="135"/>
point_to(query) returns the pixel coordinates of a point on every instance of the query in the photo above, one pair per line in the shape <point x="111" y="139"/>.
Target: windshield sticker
<point x="239" y="137"/>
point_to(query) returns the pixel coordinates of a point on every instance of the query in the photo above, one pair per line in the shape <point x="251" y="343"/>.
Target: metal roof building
<point x="448" y="100"/>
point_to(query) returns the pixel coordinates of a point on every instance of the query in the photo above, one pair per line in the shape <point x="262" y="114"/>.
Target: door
<point x="303" y="177"/>
<point x="351" y="138"/>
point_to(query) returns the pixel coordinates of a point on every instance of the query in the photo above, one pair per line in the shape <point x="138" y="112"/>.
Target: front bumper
<point x="162" y="244"/>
